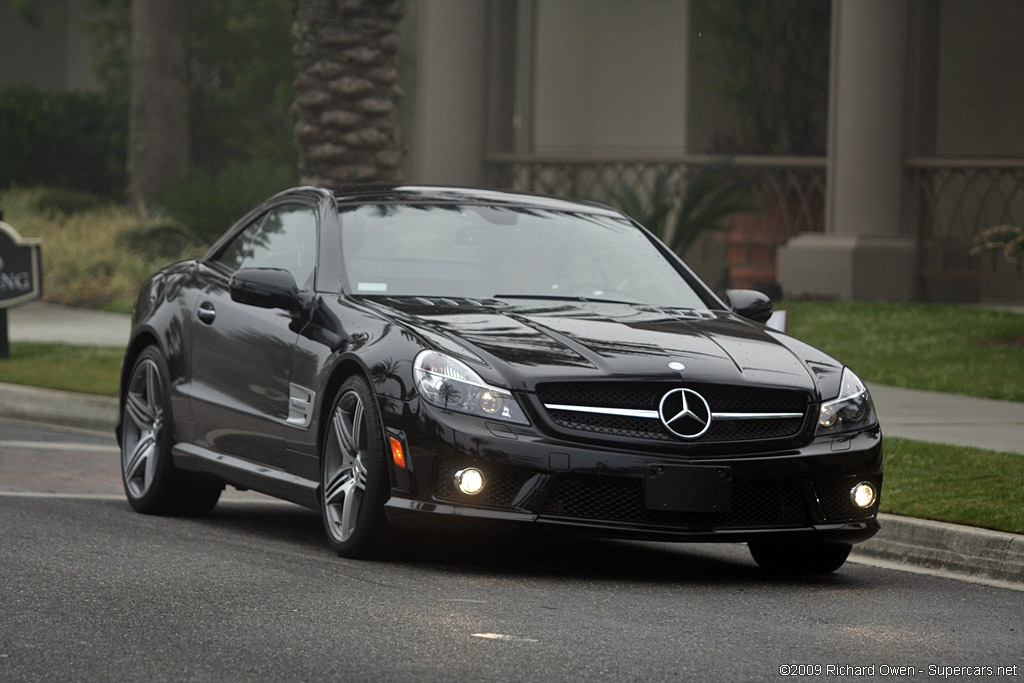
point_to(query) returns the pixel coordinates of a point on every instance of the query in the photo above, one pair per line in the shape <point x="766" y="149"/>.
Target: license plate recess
<point x="688" y="488"/>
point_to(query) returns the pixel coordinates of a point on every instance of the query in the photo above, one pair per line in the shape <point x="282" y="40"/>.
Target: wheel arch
<point x="346" y="367"/>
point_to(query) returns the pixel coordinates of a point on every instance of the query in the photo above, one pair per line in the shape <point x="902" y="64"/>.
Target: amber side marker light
<point x="397" y="454"/>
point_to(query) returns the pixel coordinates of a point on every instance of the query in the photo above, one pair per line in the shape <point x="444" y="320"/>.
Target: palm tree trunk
<point x="346" y="88"/>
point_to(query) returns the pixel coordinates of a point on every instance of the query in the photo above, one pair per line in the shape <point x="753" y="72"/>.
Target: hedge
<point x="73" y="140"/>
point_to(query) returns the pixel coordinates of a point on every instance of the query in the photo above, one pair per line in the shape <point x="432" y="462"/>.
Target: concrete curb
<point x="66" y="408"/>
<point x="951" y="547"/>
<point x="904" y="540"/>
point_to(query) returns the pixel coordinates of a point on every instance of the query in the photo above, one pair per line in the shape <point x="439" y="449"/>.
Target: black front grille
<point x="503" y="484"/>
<point x="621" y="499"/>
<point x="616" y="425"/>
<point x="753" y="430"/>
<point x="647" y="396"/>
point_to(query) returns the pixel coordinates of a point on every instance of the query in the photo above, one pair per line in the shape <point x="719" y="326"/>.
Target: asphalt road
<point x="90" y="590"/>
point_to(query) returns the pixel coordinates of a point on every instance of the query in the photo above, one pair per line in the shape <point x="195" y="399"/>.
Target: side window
<point x="284" y="237"/>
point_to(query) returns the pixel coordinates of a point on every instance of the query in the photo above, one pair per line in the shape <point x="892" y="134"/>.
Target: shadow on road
<point x="512" y="551"/>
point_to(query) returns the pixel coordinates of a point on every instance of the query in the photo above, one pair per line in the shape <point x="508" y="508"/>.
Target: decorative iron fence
<point x="950" y="202"/>
<point x="787" y="193"/>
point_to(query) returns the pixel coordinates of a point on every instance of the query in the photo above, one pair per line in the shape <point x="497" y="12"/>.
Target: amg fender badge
<point x="300" y="406"/>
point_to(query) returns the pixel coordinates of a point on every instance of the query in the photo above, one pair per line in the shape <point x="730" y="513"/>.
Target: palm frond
<point x="1006" y="238"/>
<point x="713" y="194"/>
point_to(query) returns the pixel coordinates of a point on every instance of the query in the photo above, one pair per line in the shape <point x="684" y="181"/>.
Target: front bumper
<point x="533" y="477"/>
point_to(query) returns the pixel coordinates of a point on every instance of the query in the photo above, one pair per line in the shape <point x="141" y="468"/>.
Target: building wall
<point x="610" y="76"/>
<point x="980" y="100"/>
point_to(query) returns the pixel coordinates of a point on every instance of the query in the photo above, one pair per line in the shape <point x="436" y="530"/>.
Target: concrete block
<point x="847" y="267"/>
<point x="951" y="547"/>
<point x="65" y="408"/>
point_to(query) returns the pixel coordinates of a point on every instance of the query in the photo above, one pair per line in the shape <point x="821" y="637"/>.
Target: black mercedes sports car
<point x="397" y="355"/>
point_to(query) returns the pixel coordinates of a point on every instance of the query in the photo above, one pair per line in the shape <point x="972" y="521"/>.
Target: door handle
<point x="206" y="312"/>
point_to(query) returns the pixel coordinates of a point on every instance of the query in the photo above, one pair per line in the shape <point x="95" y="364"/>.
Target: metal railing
<point x="950" y="202"/>
<point x="955" y="199"/>
<point x="787" y="194"/>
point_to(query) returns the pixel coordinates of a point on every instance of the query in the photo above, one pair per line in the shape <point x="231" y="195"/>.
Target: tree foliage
<point x="770" y="62"/>
<point x="240" y="75"/>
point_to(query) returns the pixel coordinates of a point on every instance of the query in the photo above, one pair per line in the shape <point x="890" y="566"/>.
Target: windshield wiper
<point x="556" y="297"/>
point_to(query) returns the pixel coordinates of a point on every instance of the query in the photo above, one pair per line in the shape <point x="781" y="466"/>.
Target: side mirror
<point x="750" y="304"/>
<point x="266" y="288"/>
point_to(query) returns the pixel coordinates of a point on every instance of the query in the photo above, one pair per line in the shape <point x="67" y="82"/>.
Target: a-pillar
<point x="863" y="253"/>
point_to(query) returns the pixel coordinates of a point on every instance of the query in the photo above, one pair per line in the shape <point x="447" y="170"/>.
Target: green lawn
<point x="954" y="484"/>
<point x="124" y="305"/>
<point x="957" y="349"/>
<point x="85" y="369"/>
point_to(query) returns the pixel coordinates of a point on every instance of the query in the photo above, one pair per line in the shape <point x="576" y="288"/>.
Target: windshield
<point x="485" y="252"/>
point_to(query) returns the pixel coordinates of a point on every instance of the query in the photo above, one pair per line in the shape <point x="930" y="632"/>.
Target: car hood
<point x="525" y="342"/>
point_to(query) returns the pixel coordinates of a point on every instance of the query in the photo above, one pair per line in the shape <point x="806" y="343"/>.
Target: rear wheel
<point x="799" y="557"/>
<point x="151" y="482"/>
<point x="354" y="477"/>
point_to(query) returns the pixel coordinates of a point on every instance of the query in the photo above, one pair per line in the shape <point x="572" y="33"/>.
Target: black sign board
<point x="21" y="277"/>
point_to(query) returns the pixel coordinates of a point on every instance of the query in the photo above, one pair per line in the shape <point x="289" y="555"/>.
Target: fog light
<point x="863" y="495"/>
<point x="470" y="481"/>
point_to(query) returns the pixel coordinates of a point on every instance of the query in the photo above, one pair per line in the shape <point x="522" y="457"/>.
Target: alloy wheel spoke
<point x="152" y="388"/>
<point x="339" y="486"/>
<point x="140" y="455"/>
<point x="139" y="412"/>
<point x="343" y="434"/>
<point x="350" y="509"/>
<point x="345" y="470"/>
<point x="357" y="425"/>
<point x="359" y="474"/>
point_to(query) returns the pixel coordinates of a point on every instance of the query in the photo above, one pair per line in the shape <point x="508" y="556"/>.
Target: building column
<point x="447" y="142"/>
<point x="863" y="253"/>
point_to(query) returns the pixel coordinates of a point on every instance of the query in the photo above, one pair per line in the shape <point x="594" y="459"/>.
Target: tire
<point x="151" y="482"/>
<point x="354" y="479"/>
<point x="799" y="557"/>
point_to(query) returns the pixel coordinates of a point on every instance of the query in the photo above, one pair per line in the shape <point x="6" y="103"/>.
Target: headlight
<point x="451" y="384"/>
<point x="851" y="411"/>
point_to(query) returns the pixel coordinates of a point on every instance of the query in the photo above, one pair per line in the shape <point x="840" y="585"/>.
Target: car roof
<point x="463" y="195"/>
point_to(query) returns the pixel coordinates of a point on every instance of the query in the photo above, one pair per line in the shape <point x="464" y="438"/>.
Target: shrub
<point x="83" y="262"/>
<point x="65" y="201"/>
<point x="70" y="140"/>
<point x="679" y="215"/>
<point x="207" y="204"/>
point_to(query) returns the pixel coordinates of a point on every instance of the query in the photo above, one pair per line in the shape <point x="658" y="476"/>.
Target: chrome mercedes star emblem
<point x="685" y="413"/>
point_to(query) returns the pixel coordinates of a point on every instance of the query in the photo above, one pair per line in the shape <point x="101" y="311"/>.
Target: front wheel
<point x="354" y="481"/>
<point x="799" y="557"/>
<point x="151" y="482"/>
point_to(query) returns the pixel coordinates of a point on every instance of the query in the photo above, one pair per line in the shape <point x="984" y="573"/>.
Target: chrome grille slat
<point x="653" y="414"/>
